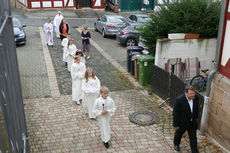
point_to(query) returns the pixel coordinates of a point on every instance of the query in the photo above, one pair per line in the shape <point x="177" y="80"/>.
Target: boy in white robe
<point x="104" y="108"/>
<point x="57" y="21"/>
<point x="70" y="53"/>
<point x="64" y="44"/>
<point x="77" y="74"/>
<point x="48" y="29"/>
<point x="90" y="88"/>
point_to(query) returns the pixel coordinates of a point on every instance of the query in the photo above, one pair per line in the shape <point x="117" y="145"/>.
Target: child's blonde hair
<point x="104" y="89"/>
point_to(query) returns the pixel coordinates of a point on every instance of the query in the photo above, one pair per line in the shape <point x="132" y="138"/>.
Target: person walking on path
<point x="64" y="29"/>
<point x="48" y="29"/>
<point x="77" y="74"/>
<point x="70" y="53"/>
<point x="57" y="20"/>
<point x="104" y="108"/>
<point x="85" y="36"/>
<point x="64" y="44"/>
<point x="185" y="118"/>
<point x="80" y="53"/>
<point x="90" y="88"/>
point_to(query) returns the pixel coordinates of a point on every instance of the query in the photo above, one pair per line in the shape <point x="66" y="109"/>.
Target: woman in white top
<point x="90" y="88"/>
<point x="64" y="44"/>
<point x="70" y="53"/>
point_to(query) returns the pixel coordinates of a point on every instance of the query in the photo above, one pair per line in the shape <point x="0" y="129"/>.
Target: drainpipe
<point x="212" y="73"/>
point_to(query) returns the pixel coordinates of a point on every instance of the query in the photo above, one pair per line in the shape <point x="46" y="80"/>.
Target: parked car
<point x="110" y="24"/>
<point x="19" y="33"/>
<point x="129" y="36"/>
<point x="140" y="18"/>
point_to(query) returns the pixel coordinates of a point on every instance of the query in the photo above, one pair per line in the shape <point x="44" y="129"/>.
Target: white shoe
<point x="78" y="103"/>
<point x="88" y="57"/>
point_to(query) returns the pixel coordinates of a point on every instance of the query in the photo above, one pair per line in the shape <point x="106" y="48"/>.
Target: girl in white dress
<point x="104" y="108"/>
<point x="80" y="53"/>
<point x="70" y="53"/>
<point x="77" y="73"/>
<point x="90" y="88"/>
<point x="64" y="44"/>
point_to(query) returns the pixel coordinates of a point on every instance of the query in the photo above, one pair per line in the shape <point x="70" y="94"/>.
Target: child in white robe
<point x="48" y="29"/>
<point x="90" y="88"/>
<point x="77" y="73"/>
<point x="70" y="53"/>
<point x="64" y="44"/>
<point x="104" y="108"/>
<point x="79" y="52"/>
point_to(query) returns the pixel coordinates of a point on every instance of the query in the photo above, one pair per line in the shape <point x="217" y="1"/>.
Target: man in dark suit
<point x="185" y="118"/>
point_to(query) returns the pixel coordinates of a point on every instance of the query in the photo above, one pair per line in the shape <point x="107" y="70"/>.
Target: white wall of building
<point x="204" y="49"/>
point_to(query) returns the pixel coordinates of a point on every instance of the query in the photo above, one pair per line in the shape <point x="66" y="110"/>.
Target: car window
<point x="104" y="19"/>
<point x="16" y="23"/>
<point x="144" y="19"/>
<point x="116" y="20"/>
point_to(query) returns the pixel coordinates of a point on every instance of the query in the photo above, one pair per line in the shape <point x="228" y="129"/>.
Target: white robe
<point x="64" y="44"/>
<point x="70" y="53"/>
<point x="82" y="58"/>
<point x="48" y="29"/>
<point x="77" y="74"/>
<point x="103" y="120"/>
<point x="57" y="21"/>
<point x="90" y="91"/>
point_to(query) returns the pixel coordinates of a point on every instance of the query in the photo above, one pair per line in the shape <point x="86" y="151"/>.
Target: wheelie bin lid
<point x="145" y="58"/>
<point x="134" y="48"/>
<point x="135" y="53"/>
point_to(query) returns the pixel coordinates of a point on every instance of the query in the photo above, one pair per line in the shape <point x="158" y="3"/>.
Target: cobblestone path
<point x="32" y="68"/>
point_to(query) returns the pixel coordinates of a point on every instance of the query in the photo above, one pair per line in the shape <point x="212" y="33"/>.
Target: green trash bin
<point x="145" y="69"/>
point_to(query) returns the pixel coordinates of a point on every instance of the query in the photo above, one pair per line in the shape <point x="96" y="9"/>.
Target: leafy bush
<point x="182" y="16"/>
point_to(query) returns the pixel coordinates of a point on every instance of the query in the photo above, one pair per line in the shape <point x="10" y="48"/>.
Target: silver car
<point x="110" y="24"/>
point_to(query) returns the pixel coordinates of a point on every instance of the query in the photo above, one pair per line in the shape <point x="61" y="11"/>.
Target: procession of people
<point x="86" y="86"/>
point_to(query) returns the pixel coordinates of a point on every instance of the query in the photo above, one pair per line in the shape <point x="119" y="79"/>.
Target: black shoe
<point x="106" y="145"/>
<point x="177" y="148"/>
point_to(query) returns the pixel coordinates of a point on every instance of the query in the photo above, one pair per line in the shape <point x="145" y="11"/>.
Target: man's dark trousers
<point x="192" y="138"/>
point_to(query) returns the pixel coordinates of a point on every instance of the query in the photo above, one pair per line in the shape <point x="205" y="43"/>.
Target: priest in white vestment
<point x="48" y="29"/>
<point x="104" y="108"/>
<point x="70" y="53"/>
<point x="90" y="88"/>
<point x="77" y="73"/>
<point x="57" y="20"/>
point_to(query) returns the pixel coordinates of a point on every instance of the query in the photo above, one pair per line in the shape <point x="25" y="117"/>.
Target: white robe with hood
<point x="48" y="29"/>
<point x="77" y="74"/>
<point x="102" y="104"/>
<point x="70" y="53"/>
<point x="57" y="21"/>
<point x="90" y="91"/>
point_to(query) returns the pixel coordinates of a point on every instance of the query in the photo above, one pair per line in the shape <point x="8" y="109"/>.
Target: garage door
<point x="84" y="3"/>
<point x="130" y="5"/>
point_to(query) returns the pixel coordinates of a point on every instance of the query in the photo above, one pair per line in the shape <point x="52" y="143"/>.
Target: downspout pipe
<point x="213" y="72"/>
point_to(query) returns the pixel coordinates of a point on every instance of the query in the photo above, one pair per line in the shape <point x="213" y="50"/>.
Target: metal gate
<point x="84" y="3"/>
<point x="131" y="5"/>
<point x="13" y="133"/>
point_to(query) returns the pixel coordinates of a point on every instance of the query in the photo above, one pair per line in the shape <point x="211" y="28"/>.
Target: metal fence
<point x="168" y="86"/>
<point x="13" y="133"/>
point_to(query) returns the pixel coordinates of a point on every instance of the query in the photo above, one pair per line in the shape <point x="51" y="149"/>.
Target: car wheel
<point x="103" y="33"/>
<point x="95" y="27"/>
<point x="130" y="42"/>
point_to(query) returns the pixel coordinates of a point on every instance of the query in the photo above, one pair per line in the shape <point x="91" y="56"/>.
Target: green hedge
<point x="182" y="16"/>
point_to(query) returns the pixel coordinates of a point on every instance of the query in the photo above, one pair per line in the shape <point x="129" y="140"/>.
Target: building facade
<point x="41" y="4"/>
<point x="218" y="125"/>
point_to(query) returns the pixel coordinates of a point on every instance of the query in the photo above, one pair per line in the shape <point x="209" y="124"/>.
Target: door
<point x="150" y="6"/>
<point x="84" y="3"/>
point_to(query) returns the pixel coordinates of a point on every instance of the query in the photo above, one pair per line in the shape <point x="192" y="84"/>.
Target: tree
<point x="182" y="16"/>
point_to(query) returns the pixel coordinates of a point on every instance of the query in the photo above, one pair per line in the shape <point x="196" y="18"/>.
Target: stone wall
<point x="204" y="49"/>
<point x="218" y="124"/>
